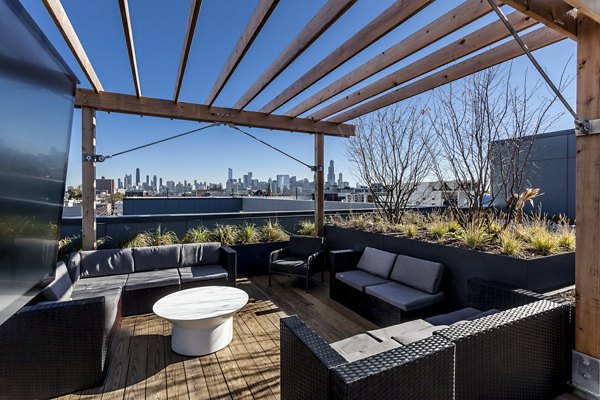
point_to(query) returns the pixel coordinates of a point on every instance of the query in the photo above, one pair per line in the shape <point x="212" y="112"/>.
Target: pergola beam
<point x="128" y="104"/>
<point x="535" y="40"/>
<point x="469" y="44"/>
<point x="393" y="16"/>
<point x="590" y="8"/>
<point x="59" y="15"/>
<point x="328" y="14"/>
<point x="124" y="7"/>
<point x="261" y="14"/>
<point x="448" y="23"/>
<point x="555" y="14"/>
<point x="187" y="45"/>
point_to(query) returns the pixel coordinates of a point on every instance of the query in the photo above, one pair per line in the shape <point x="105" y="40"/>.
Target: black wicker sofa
<point x="59" y="345"/>
<point x="518" y="353"/>
<point x="386" y="288"/>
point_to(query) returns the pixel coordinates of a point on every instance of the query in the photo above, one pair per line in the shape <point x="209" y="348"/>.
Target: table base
<point x="197" y="342"/>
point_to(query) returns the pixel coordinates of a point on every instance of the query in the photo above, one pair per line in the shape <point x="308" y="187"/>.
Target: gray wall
<point x="551" y="167"/>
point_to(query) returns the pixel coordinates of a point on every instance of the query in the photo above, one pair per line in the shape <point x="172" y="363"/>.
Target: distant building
<point x="137" y="177"/>
<point x="331" y="174"/>
<point x="105" y="186"/>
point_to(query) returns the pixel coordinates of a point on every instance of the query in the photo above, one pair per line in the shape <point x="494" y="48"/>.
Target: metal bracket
<point x="317" y="168"/>
<point x="584" y="127"/>
<point x="586" y="375"/>
<point x="95" y="158"/>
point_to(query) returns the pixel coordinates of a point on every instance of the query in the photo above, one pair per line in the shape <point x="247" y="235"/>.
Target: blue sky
<point x="158" y="29"/>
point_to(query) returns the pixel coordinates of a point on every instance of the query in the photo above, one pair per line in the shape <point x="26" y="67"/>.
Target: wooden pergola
<point x="578" y="20"/>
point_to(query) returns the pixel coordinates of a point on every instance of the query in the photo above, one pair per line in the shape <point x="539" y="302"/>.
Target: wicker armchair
<point x="304" y="256"/>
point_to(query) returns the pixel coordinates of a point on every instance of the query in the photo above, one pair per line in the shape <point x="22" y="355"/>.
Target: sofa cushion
<point x="202" y="273"/>
<point x="74" y="266"/>
<point x="200" y="254"/>
<point x="304" y="246"/>
<point x="414" y="336"/>
<point x="61" y="287"/>
<point x="361" y="346"/>
<point x="377" y="262"/>
<point x="359" y="279"/>
<point x="289" y="265"/>
<point x="155" y="258"/>
<point x="112" y="297"/>
<point x="384" y="334"/>
<point x="150" y="279"/>
<point x="454" y="316"/>
<point x="102" y="282"/>
<point x="404" y="297"/>
<point x="421" y="274"/>
<point x="106" y="262"/>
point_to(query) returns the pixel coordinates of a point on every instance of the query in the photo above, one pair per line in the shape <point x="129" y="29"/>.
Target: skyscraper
<point x="155" y="183"/>
<point x="137" y="177"/>
<point x="331" y="174"/>
<point x="229" y="174"/>
<point x="340" y="180"/>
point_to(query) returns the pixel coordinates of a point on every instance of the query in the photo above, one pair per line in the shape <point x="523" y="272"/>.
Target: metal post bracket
<point x="586" y="375"/>
<point x="584" y="127"/>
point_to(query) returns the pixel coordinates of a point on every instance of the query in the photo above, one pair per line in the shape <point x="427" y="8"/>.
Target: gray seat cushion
<point x="361" y="346"/>
<point x="200" y="254"/>
<point x="421" y="274"/>
<point x="359" y="279"/>
<point x="414" y="336"/>
<point x="61" y="287"/>
<point x="387" y="333"/>
<point x="454" y="316"/>
<point x="106" y="262"/>
<point x="304" y="246"/>
<point x="111" y="302"/>
<point x="404" y="297"/>
<point x="202" y="273"/>
<point x="377" y="262"/>
<point x="157" y="257"/>
<point x="150" y="279"/>
<point x="289" y="265"/>
<point x="102" y="282"/>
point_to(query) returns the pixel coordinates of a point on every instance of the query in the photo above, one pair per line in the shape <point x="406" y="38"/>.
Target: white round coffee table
<point x="202" y="317"/>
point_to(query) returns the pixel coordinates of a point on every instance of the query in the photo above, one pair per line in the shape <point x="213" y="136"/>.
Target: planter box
<point x="253" y="259"/>
<point x="538" y="275"/>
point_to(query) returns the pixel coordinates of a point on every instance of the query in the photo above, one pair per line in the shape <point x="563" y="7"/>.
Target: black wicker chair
<point x="304" y="256"/>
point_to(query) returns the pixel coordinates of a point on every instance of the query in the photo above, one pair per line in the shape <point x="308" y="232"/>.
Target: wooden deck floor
<point x="142" y="365"/>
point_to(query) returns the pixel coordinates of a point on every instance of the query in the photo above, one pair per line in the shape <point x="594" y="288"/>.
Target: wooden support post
<point x="88" y="177"/>
<point x="588" y="207"/>
<point x="319" y="184"/>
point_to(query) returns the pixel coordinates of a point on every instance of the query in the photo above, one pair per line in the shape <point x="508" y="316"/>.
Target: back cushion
<point x="200" y="254"/>
<point x="74" y="266"/>
<point x="156" y="257"/>
<point x="61" y="287"/>
<point x="304" y="246"/>
<point x="377" y="262"/>
<point x="106" y="262"/>
<point x="421" y="274"/>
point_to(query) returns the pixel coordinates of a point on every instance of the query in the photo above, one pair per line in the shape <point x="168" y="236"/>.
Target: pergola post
<point x="319" y="184"/>
<point x="88" y="178"/>
<point x="587" y="344"/>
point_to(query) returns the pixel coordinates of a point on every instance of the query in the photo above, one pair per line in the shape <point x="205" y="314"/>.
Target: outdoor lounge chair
<point x="304" y="256"/>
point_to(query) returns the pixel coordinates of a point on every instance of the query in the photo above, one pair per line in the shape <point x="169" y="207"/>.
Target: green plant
<point x="248" y="234"/>
<point x="566" y="238"/>
<point x="226" y="234"/>
<point x="142" y="239"/>
<point x="306" y="227"/>
<point x="161" y="238"/>
<point x="411" y="231"/>
<point x="453" y="226"/>
<point x="542" y="241"/>
<point x="197" y="235"/>
<point x="68" y="245"/>
<point x="510" y="244"/>
<point x="474" y="236"/>
<point x="103" y="242"/>
<point x="438" y="229"/>
<point x="273" y="232"/>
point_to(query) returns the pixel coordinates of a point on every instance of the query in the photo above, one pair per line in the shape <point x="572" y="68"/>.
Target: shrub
<point x="411" y="231"/>
<point x="306" y="227"/>
<point x="226" y="234"/>
<point x="248" y="234"/>
<point x="68" y="245"/>
<point x="438" y="229"/>
<point x="273" y="232"/>
<point x="142" y="239"/>
<point x="566" y="238"/>
<point x="453" y="226"/>
<point x="161" y="238"/>
<point x="542" y="241"/>
<point x="197" y="235"/>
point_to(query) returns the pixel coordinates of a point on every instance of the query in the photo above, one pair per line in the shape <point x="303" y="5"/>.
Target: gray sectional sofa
<point x="69" y="329"/>
<point x="385" y="287"/>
